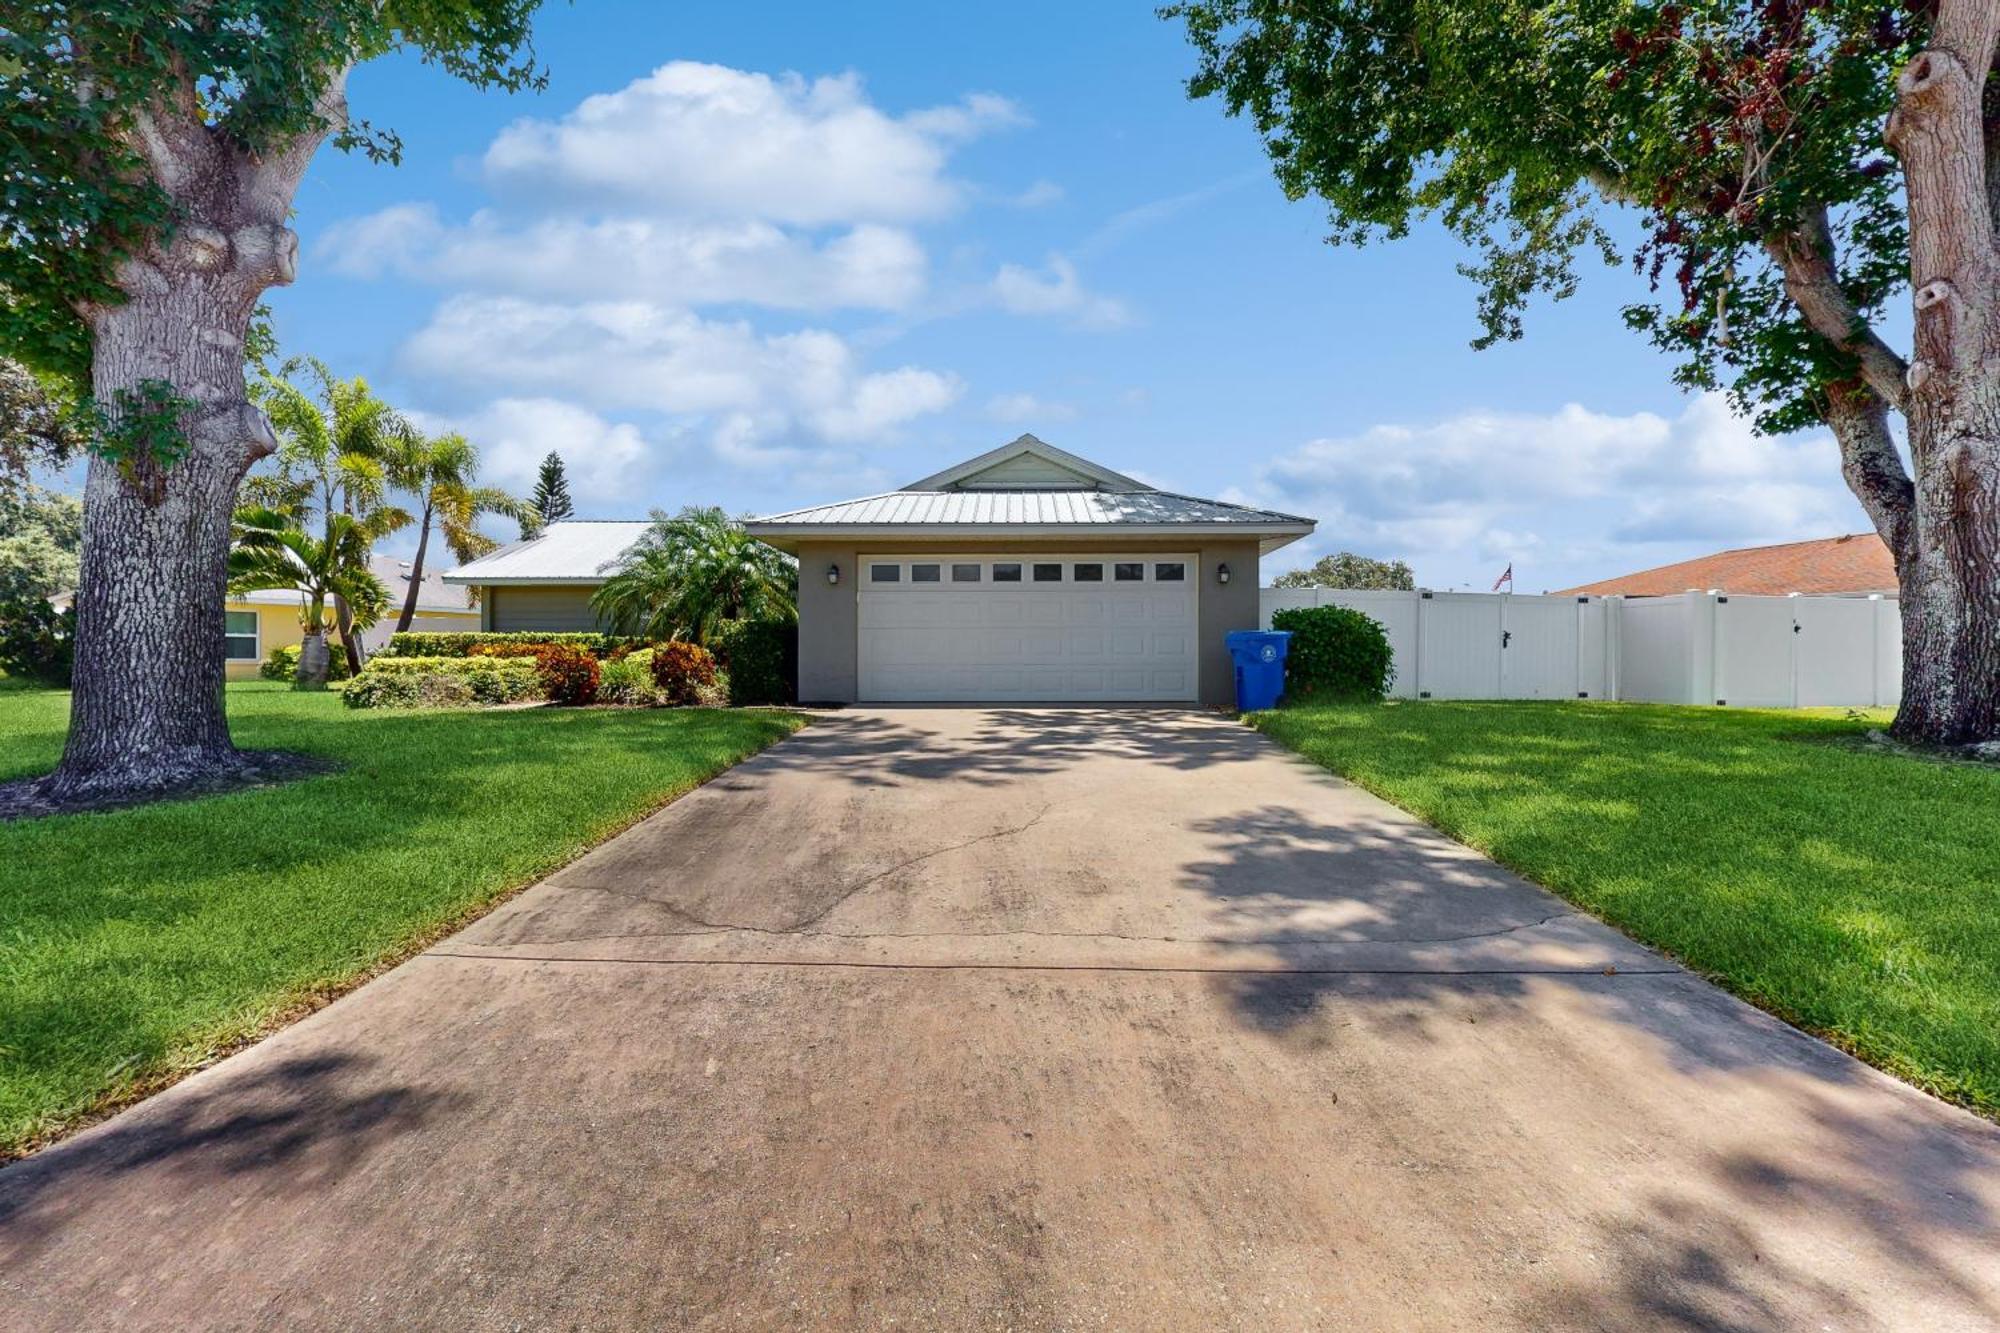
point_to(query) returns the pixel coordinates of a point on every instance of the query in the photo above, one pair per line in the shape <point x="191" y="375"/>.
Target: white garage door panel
<point x="989" y="640"/>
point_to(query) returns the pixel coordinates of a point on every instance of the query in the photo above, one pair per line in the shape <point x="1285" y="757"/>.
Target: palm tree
<point x="439" y="471"/>
<point x="271" y="550"/>
<point x="693" y="570"/>
<point x="334" y="437"/>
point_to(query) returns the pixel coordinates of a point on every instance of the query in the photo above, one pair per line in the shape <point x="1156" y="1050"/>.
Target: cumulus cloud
<point x="634" y="355"/>
<point x="1055" y="289"/>
<point x="671" y="260"/>
<point x="606" y="462"/>
<point x="709" y="140"/>
<point x="1567" y="486"/>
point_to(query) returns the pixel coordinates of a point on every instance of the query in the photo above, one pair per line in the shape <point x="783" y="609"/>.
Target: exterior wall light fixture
<point x="833" y="574"/>
<point x="1222" y="573"/>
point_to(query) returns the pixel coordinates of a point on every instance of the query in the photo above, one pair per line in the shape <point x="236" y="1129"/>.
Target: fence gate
<point x="1458" y="644"/>
<point x="1538" y="647"/>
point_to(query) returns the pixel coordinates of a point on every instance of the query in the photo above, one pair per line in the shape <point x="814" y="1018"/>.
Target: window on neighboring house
<point x="1048" y="573"/>
<point x="885" y="573"/>
<point x="1169" y="572"/>
<point x="1088" y="573"/>
<point x="965" y="573"/>
<point x="1134" y="572"/>
<point x="239" y="629"/>
<point x="923" y="573"/>
<point x="1006" y="573"/>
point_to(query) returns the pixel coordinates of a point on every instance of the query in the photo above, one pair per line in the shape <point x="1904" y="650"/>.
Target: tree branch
<point x="1805" y="256"/>
<point x="1869" y="461"/>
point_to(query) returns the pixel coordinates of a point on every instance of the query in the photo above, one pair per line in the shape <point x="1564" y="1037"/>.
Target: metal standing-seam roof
<point x="572" y="551"/>
<point x="1021" y="507"/>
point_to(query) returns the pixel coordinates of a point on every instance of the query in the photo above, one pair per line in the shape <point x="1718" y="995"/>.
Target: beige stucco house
<point x="1027" y="573"/>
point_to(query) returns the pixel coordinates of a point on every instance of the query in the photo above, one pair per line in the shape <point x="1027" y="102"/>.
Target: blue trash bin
<point x="1260" y="666"/>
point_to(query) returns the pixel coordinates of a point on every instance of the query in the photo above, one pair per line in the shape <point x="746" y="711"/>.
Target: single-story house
<point x="257" y="622"/>
<point x="1027" y="573"/>
<point x="1854" y="565"/>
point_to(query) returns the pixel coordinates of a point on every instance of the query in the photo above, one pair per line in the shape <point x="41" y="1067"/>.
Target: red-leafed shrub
<point x="569" y="675"/>
<point x="682" y="671"/>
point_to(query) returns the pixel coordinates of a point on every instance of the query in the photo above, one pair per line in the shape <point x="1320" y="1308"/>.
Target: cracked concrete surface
<point x="1023" y="1019"/>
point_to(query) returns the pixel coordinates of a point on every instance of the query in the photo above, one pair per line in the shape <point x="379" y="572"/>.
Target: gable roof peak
<point x="1002" y="469"/>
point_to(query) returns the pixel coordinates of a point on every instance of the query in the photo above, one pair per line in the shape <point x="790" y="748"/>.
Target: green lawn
<point x="1855" y="893"/>
<point x="135" y="944"/>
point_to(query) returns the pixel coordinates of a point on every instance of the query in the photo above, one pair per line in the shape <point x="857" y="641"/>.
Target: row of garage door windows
<point x="1134" y="571"/>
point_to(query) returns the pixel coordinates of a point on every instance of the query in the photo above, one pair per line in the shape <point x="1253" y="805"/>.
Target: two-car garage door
<point x="1030" y="627"/>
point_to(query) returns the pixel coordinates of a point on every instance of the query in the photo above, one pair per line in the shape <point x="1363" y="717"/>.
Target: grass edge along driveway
<point x="1850" y="891"/>
<point x="139" y="945"/>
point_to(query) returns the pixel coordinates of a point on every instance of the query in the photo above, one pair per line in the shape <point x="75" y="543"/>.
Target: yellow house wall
<point x="276" y="627"/>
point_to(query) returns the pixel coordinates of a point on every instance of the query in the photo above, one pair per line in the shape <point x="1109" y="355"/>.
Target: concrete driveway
<point x="1022" y="1019"/>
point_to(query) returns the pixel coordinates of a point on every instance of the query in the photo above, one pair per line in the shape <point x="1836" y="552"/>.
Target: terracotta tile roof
<point x="1856" y="563"/>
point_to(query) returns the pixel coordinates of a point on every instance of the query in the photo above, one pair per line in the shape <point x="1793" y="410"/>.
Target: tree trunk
<point x="146" y="714"/>
<point x="416" y="575"/>
<point x="313" y="663"/>
<point x="1949" y="568"/>
<point x="147" y="709"/>
<point x="344" y="618"/>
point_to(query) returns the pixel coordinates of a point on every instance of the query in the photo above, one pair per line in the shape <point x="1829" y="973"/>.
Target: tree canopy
<point x="1348" y="570"/>
<point x="115" y="114"/>
<point x="1731" y="132"/>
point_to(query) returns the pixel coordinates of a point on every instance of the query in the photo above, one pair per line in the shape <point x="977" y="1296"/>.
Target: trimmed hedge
<point x="411" y="643"/>
<point x="430" y="682"/>
<point x="282" y="662"/>
<point x="762" y="657"/>
<point x="1336" y="653"/>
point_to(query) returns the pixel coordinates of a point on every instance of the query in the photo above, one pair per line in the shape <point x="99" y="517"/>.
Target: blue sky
<point x="765" y="256"/>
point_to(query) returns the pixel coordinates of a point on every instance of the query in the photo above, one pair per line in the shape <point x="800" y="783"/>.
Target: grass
<point x="136" y="945"/>
<point x="1853" y="892"/>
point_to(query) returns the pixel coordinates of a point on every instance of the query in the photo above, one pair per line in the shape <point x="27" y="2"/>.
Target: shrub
<point x="682" y="671"/>
<point x="420" y="682"/>
<point x="412" y="643"/>
<point x="762" y="659"/>
<point x="37" y="641"/>
<point x="535" y="649"/>
<point x="627" y="679"/>
<point x="1335" y="653"/>
<point x="568" y="674"/>
<point x="282" y="662"/>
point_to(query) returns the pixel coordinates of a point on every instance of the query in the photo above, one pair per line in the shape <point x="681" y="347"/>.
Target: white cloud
<point x="1026" y="407"/>
<point x="606" y="462"/>
<point x="1039" y="195"/>
<point x="1055" y="289"/>
<point x="708" y="140"/>
<point x="675" y="261"/>
<point x="1572" y="487"/>
<point x="634" y="355"/>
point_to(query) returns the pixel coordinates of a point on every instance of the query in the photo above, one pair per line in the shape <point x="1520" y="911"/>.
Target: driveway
<point x="1022" y="1019"/>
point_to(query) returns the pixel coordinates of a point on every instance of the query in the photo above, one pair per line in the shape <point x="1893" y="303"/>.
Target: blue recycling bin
<point x="1260" y="666"/>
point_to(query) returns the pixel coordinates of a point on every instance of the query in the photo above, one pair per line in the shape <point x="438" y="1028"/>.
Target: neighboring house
<point x="257" y="622"/>
<point x="1026" y="573"/>
<point x="1854" y="565"/>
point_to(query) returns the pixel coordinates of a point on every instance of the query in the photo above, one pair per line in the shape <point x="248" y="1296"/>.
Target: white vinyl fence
<point x="1697" y="648"/>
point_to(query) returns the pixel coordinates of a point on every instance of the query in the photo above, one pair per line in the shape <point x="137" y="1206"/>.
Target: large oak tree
<point x="1790" y="168"/>
<point x="149" y="155"/>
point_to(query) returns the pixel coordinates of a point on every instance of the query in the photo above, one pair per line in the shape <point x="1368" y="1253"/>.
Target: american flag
<point x="1506" y="577"/>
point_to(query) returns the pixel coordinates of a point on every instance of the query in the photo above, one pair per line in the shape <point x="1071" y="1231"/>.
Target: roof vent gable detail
<point x="1028" y="464"/>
